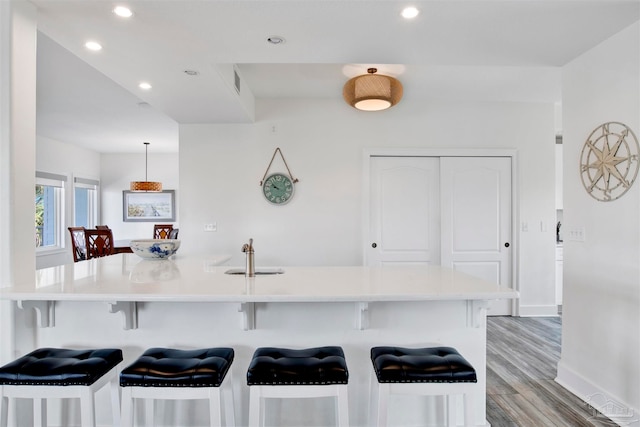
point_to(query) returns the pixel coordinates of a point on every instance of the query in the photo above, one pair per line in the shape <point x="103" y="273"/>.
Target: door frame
<point x="511" y="153"/>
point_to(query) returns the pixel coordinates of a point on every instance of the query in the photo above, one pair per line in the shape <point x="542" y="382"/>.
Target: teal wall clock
<point x="278" y="188"/>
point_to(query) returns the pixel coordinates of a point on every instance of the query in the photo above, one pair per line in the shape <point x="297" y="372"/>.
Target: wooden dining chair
<point x="161" y="231"/>
<point x="78" y="243"/>
<point x="116" y="249"/>
<point x="99" y="243"/>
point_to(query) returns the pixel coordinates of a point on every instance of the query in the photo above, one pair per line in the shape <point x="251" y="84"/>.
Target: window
<point x="85" y="196"/>
<point x="49" y="199"/>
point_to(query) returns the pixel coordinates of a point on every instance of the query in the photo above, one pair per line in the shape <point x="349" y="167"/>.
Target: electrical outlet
<point x="212" y="226"/>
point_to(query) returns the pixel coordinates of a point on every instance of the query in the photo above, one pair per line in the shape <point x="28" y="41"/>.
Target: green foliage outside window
<point x="39" y="213"/>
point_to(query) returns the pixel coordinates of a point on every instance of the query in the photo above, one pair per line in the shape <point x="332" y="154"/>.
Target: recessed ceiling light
<point x="144" y="85"/>
<point x="410" y="12"/>
<point x="123" y="11"/>
<point x="275" y="40"/>
<point x="91" y="45"/>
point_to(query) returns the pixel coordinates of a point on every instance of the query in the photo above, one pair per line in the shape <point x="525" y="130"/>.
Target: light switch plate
<point x="574" y="234"/>
<point x="212" y="226"/>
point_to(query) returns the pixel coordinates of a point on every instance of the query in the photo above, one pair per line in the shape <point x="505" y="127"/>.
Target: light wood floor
<point x="522" y="357"/>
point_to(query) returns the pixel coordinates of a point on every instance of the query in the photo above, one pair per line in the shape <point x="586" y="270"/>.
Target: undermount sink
<point x="259" y="271"/>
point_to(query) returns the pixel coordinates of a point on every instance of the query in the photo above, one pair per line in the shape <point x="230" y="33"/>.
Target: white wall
<point x="117" y="171"/>
<point x="601" y="311"/>
<point x="323" y="141"/>
<point x="57" y="157"/>
<point x="17" y="155"/>
<point x="66" y="159"/>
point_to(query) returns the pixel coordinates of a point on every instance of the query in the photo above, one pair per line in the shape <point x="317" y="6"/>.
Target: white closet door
<point x="451" y="211"/>
<point x="404" y="211"/>
<point x="476" y="219"/>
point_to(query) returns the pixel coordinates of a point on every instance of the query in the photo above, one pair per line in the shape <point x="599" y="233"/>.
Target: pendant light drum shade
<point x="145" y="185"/>
<point x="372" y="92"/>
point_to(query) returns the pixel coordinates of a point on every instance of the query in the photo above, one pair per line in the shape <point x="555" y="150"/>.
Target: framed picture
<point x="148" y="207"/>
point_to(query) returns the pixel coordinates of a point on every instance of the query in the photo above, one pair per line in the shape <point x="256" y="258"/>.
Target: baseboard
<point x="537" y="310"/>
<point x="620" y="413"/>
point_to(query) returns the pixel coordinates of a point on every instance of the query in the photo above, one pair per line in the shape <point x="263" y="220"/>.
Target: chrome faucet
<point x="250" y="267"/>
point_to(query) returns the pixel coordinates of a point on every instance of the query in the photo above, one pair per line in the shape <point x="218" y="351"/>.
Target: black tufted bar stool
<point x="61" y="373"/>
<point x="431" y="371"/>
<point x="166" y="373"/>
<point x="305" y="373"/>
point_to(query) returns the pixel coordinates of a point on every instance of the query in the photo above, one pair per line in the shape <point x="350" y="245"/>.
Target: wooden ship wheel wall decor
<point x="609" y="161"/>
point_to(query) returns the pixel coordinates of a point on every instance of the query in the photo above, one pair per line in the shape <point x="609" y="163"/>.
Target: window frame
<point x="93" y="209"/>
<point x="59" y="183"/>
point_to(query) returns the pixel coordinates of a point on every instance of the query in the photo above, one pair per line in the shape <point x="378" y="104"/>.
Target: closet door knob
<point x="374" y="245"/>
<point x="506" y="245"/>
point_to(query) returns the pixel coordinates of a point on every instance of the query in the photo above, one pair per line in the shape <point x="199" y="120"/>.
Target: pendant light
<point x="146" y="185"/>
<point x="372" y="92"/>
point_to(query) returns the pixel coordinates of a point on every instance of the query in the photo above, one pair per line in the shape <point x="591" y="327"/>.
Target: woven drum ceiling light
<point x="146" y="185"/>
<point x="372" y="92"/>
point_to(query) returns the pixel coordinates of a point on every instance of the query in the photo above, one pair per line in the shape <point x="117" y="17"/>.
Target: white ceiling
<point x="475" y="49"/>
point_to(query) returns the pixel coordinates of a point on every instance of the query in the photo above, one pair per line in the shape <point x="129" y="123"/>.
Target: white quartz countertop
<point x="126" y="277"/>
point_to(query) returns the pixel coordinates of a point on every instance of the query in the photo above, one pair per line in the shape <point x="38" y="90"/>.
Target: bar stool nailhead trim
<point x="61" y="373"/>
<point x="420" y="371"/>
<point x="298" y="373"/>
<point x="166" y="373"/>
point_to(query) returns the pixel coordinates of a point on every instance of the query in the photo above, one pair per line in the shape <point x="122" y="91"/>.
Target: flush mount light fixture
<point x="123" y="11"/>
<point x="93" y="45"/>
<point x="144" y="85"/>
<point x="372" y="92"/>
<point x="145" y="185"/>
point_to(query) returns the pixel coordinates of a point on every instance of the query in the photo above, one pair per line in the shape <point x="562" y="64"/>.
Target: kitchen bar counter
<point x="189" y="302"/>
<point x="126" y="277"/>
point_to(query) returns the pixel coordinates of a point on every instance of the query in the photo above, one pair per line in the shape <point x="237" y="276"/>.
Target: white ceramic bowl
<point x="155" y="248"/>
